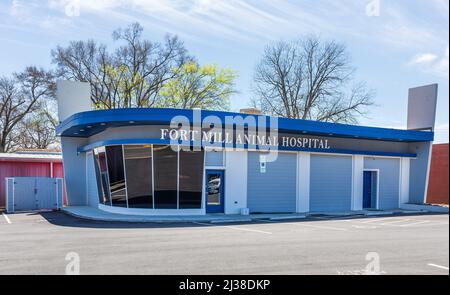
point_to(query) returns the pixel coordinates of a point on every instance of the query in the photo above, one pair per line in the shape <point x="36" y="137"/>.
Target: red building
<point x="28" y="163"/>
<point x="438" y="181"/>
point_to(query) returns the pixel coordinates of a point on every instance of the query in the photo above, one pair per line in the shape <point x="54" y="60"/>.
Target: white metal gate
<point x="33" y="193"/>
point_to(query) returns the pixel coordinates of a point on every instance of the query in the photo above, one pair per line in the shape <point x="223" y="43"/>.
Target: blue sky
<point x="394" y="44"/>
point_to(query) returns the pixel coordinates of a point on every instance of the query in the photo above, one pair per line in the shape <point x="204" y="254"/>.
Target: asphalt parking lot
<point x="38" y="243"/>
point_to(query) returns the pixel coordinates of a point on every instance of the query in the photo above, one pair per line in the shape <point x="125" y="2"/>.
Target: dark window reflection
<point x="138" y="169"/>
<point x="191" y="179"/>
<point x="165" y="169"/>
<point x="214" y="189"/>
<point x="114" y="157"/>
<point x="101" y="172"/>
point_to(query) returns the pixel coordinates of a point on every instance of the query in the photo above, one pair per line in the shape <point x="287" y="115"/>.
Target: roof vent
<point x="250" y="111"/>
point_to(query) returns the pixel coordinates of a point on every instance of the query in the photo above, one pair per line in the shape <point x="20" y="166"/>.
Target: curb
<point x="230" y="221"/>
<point x="287" y="217"/>
<point x="375" y="213"/>
<point x="143" y="220"/>
<point x="137" y="219"/>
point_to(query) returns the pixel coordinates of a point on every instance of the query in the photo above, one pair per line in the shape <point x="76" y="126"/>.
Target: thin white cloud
<point x="401" y="26"/>
<point x="19" y="10"/>
<point x="424" y="58"/>
<point x="432" y="63"/>
<point x="257" y="21"/>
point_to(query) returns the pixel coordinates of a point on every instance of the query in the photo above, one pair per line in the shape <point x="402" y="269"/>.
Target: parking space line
<point x="6" y="218"/>
<point x="395" y="221"/>
<point x="415" y="223"/>
<point x="438" y="266"/>
<point x="320" y="226"/>
<point x="238" y="228"/>
<point x="434" y="223"/>
<point x="250" y="230"/>
<point x="312" y="226"/>
<point x="376" y="219"/>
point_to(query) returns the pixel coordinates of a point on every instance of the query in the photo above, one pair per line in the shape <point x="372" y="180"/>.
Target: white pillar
<point x="235" y="181"/>
<point x="404" y="182"/>
<point x="73" y="97"/>
<point x="303" y="179"/>
<point x="357" y="182"/>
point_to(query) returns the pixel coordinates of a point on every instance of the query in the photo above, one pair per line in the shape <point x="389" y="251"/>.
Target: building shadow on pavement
<point x="60" y="218"/>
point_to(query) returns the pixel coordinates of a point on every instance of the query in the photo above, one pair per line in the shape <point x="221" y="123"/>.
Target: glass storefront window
<point x="138" y="171"/>
<point x="101" y="172"/>
<point x="114" y="159"/>
<point x="191" y="179"/>
<point x="165" y="161"/>
<point x="149" y="176"/>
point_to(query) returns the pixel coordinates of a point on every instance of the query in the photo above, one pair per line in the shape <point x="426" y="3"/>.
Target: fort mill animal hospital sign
<point x="235" y="132"/>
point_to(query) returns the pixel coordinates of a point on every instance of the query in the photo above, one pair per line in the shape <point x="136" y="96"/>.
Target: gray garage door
<point x="330" y="183"/>
<point x="33" y="193"/>
<point x="273" y="190"/>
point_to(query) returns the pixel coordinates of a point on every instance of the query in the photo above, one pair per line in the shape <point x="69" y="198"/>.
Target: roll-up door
<point x="330" y="183"/>
<point x="272" y="188"/>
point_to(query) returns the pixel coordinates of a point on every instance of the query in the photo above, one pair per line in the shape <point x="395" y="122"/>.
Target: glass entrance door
<point x="215" y="194"/>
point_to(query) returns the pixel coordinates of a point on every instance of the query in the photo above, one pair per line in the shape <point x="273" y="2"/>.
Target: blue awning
<point x="86" y="124"/>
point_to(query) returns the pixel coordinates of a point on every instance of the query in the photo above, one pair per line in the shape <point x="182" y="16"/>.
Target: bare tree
<point x="37" y="131"/>
<point x="132" y="76"/>
<point x="309" y="79"/>
<point x="20" y="96"/>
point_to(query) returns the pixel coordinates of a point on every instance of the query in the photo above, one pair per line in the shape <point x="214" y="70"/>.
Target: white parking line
<point x="320" y="226"/>
<point x="250" y="230"/>
<point x="433" y="224"/>
<point x="415" y="223"/>
<point x="395" y="221"/>
<point x="7" y="218"/>
<point x="438" y="266"/>
<point x="364" y="226"/>
<point x="311" y="226"/>
<point x="376" y="219"/>
<point x="238" y="228"/>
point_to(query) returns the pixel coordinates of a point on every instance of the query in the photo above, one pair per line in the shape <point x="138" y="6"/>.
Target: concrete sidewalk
<point x="87" y="212"/>
<point x="91" y="213"/>
<point x="426" y="207"/>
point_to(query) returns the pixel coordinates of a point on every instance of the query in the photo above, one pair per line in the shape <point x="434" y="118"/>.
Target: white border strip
<point x="427" y="175"/>
<point x="6" y="218"/>
<point x="438" y="266"/>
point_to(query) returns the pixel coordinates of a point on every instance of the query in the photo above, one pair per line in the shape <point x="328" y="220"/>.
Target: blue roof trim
<point x="166" y="141"/>
<point x="86" y="124"/>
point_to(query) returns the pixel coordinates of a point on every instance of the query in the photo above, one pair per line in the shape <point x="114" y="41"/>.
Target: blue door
<point x="215" y="193"/>
<point x="367" y="189"/>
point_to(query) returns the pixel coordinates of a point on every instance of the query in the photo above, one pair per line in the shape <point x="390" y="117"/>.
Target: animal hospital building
<point x="152" y="161"/>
